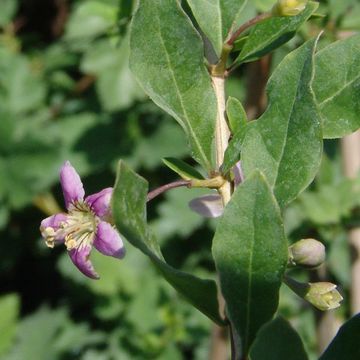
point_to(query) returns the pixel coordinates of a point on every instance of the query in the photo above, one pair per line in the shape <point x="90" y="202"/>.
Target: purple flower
<point x="86" y="224"/>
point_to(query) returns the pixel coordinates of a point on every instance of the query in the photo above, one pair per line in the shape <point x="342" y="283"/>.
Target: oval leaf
<point x="129" y="211"/>
<point x="250" y="252"/>
<point x="272" y="33"/>
<point x="336" y="86"/>
<point x="167" y="59"/>
<point x="286" y="142"/>
<point x="277" y="340"/>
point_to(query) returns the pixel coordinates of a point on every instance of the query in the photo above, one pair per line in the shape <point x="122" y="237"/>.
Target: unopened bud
<point x="323" y="295"/>
<point x="308" y="253"/>
<point x="288" y="7"/>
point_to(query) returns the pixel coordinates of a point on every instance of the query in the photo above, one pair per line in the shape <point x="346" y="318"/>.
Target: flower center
<point x="77" y="230"/>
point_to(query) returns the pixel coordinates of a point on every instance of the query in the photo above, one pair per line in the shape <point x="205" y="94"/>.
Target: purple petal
<point x="210" y="206"/>
<point x="71" y="184"/>
<point x="100" y="202"/>
<point x="238" y="174"/>
<point x="80" y="258"/>
<point x="108" y="241"/>
<point x="52" y="222"/>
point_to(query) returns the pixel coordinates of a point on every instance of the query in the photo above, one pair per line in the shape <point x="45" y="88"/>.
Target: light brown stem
<point x="350" y="146"/>
<point x="222" y="132"/>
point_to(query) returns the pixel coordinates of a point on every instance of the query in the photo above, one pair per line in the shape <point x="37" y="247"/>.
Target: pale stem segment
<point x="222" y="133"/>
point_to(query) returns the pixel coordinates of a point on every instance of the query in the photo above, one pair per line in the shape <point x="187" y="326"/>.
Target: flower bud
<point x="323" y="295"/>
<point x="308" y="253"/>
<point x="288" y="7"/>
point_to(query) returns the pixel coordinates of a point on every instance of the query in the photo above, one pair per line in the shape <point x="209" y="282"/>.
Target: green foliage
<point x="272" y="33"/>
<point x="166" y="72"/>
<point x="129" y="209"/>
<point x="9" y="312"/>
<point x="217" y="18"/>
<point x="286" y="142"/>
<point x="250" y="250"/>
<point x="336" y="86"/>
<point x="277" y="340"/>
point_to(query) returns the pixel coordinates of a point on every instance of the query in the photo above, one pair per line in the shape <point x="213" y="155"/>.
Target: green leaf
<point x="129" y="210"/>
<point x="238" y="124"/>
<point x="183" y="169"/>
<point x="217" y="18"/>
<point x="250" y="252"/>
<point x="90" y="19"/>
<point x="272" y="33"/>
<point x="236" y="115"/>
<point x="277" y="340"/>
<point x="346" y="343"/>
<point x="9" y="311"/>
<point x="286" y="142"/>
<point x="167" y="58"/>
<point x="232" y="153"/>
<point x="336" y="86"/>
<point x="8" y="11"/>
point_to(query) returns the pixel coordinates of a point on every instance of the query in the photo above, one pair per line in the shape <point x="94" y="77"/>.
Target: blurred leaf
<point x="165" y="71"/>
<point x="336" y="86"/>
<point x="21" y="88"/>
<point x="90" y="19"/>
<point x="345" y="344"/>
<point x="250" y="252"/>
<point x="129" y="210"/>
<point x="174" y="213"/>
<point x="217" y="18"/>
<point x="8" y="11"/>
<point x="286" y="142"/>
<point x="183" y="169"/>
<point x="9" y="312"/>
<point x="272" y="33"/>
<point x="331" y="202"/>
<point x="277" y="340"/>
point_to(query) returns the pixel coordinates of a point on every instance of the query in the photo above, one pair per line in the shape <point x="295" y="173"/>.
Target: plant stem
<point x="222" y="133"/>
<point x="351" y="161"/>
<point x="154" y="193"/>
<point x="246" y="26"/>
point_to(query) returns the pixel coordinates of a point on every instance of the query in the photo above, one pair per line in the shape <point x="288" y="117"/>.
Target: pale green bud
<point x="308" y="253"/>
<point x="288" y="7"/>
<point x="323" y="295"/>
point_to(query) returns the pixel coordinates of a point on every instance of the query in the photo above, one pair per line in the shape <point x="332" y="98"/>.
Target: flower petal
<point x="210" y="206"/>
<point x="108" y="241"/>
<point x="80" y="258"/>
<point x="71" y="184"/>
<point x="100" y="202"/>
<point x="51" y="224"/>
<point x="238" y="174"/>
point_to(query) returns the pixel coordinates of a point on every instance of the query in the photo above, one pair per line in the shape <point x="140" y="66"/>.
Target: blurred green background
<point x="66" y="93"/>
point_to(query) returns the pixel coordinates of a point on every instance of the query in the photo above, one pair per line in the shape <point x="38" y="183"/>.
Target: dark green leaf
<point x="167" y="58"/>
<point x="336" y="86"/>
<point x="232" y="153"/>
<point x="250" y="252"/>
<point x="183" y="169"/>
<point x="286" y="142"/>
<point x="217" y="18"/>
<point x="129" y="210"/>
<point x="277" y="340"/>
<point x="346" y="343"/>
<point x="236" y="115"/>
<point x="272" y="33"/>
